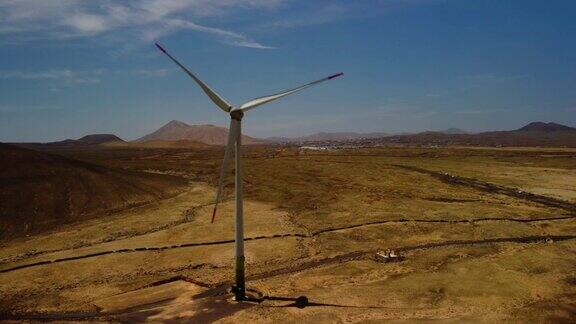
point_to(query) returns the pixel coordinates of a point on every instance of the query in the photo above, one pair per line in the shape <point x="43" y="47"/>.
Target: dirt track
<point x="469" y="182"/>
<point x="528" y="239"/>
<point x="300" y="235"/>
<point x="185" y="219"/>
<point x="493" y="188"/>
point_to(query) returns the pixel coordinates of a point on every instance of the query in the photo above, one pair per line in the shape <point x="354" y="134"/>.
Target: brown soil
<point x="40" y="191"/>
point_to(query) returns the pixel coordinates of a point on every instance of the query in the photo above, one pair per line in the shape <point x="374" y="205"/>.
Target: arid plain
<point x="485" y="234"/>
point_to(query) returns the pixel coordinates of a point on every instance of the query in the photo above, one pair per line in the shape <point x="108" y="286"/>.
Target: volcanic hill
<point x="533" y="134"/>
<point x="40" y="191"/>
<point x="328" y="136"/>
<point x="546" y="128"/>
<point x="207" y="134"/>
<point x="94" y="139"/>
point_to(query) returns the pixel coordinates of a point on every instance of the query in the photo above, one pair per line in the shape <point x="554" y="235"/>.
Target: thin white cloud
<point x="69" y="76"/>
<point x="495" y="77"/>
<point x="146" y="20"/>
<point x="404" y="110"/>
<point x="64" y="75"/>
<point x="321" y="15"/>
<point x="10" y="30"/>
<point x="87" y="23"/>
<point x="478" y="111"/>
<point x="311" y="13"/>
<point x="152" y="72"/>
<point x="25" y="108"/>
<point x="225" y="36"/>
<point x="85" y="80"/>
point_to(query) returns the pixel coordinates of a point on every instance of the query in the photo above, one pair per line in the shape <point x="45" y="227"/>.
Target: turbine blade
<point x="262" y="100"/>
<point x="232" y="134"/>
<point x="219" y="101"/>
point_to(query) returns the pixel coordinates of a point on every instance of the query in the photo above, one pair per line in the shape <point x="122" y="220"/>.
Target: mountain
<point x="96" y="139"/>
<point x="41" y="191"/>
<point x="88" y="140"/>
<point x="325" y="136"/>
<point x="207" y="134"/>
<point x="546" y="128"/>
<point x="164" y="144"/>
<point x="533" y="134"/>
<point x="453" y="131"/>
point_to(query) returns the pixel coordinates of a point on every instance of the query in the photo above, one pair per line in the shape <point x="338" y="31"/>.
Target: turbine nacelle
<point x="236" y="114"/>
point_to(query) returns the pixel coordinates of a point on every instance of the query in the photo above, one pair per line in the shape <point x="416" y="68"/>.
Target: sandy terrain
<point x="473" y="247"/>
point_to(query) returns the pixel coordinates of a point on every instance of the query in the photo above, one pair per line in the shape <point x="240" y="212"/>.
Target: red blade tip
<point x="213" y="215"/>
<point x="160" y="47"/>
<point x="335" y="75"/>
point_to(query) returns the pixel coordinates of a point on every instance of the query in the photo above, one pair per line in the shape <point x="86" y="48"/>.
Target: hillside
<point x="533" y="134"/>
<point x="40" y="191"/>
<point x="188" y="144"/>
<point x="348" y="136"/>
<point x="207" y="134"/>
<point x="453" y="131"/>
<point x="87" y="141"/>
<point x="546" y="128"/>
<point x="94" y="139"/>
<point x="327" y="136"/>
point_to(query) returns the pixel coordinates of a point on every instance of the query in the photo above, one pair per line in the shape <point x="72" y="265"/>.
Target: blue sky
<point x="70" y="67"/>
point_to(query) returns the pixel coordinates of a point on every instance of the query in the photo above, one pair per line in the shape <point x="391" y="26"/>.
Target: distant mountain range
<point x="86" y="141"/>
<point x="207" y="134"/>
<point x="344" y="136"/>
<point x="324" y="136"/>
<point x="452" y="131"/>
<point x="162" y="144"/>
<point x="174" y="134"/>
<point x="95" y="139"/>
<point x="177" y="134"/>
<point x="533" y="134"/>
<point x="546" y="128"/>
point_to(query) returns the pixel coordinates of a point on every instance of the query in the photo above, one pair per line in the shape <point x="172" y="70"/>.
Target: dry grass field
<point x="486" y="235"/>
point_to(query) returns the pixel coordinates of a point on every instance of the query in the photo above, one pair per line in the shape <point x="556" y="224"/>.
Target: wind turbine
<point x="235" y="140"/>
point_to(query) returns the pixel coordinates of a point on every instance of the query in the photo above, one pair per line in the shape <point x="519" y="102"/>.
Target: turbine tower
<point x="235" y="140"/>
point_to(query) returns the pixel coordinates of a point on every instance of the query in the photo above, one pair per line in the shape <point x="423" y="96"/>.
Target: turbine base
<point x="240" y="288"/>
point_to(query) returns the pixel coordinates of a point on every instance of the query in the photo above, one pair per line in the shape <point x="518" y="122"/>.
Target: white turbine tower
<point x="234" y="139"/>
